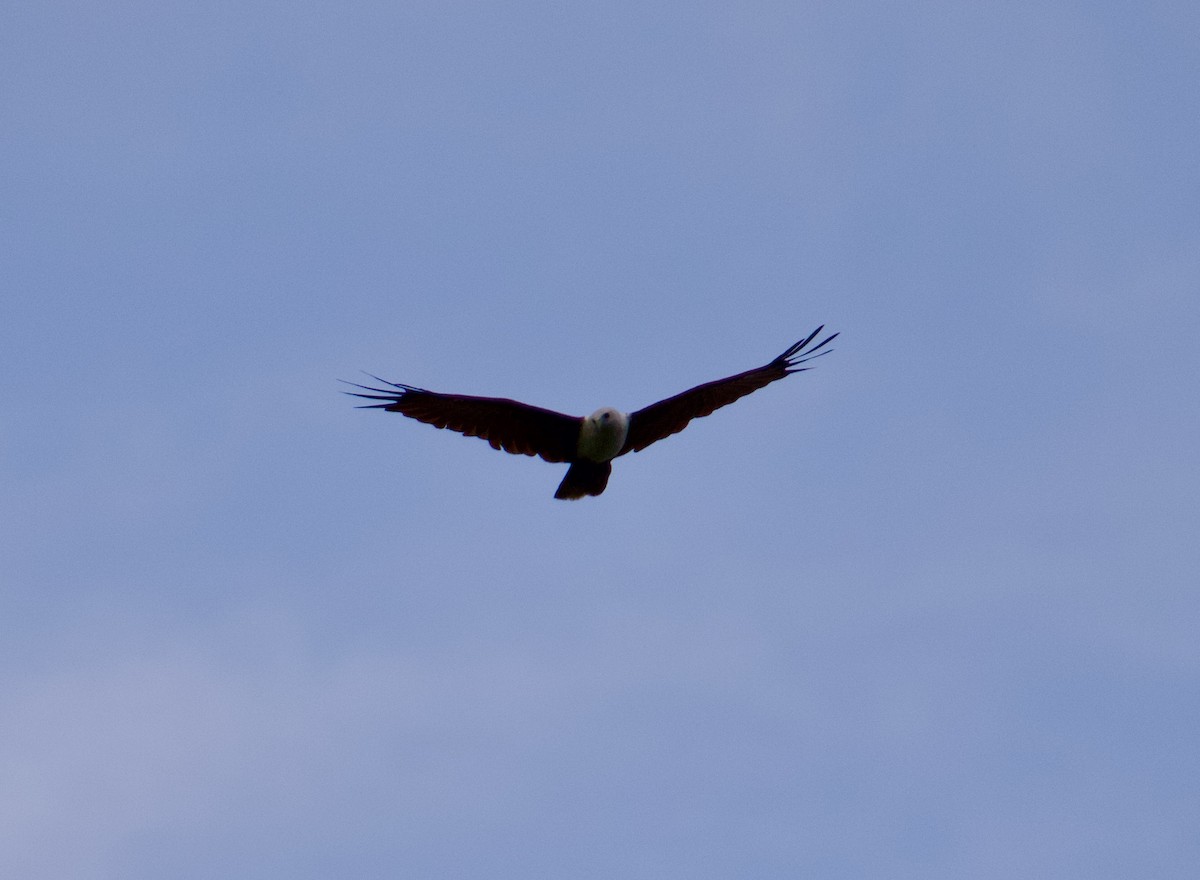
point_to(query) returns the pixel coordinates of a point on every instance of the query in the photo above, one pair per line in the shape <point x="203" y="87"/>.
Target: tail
<point x="584" y="478"/>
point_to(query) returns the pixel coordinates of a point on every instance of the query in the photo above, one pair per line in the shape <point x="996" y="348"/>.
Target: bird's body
<point x="601" y="439"/>
<point x="588" y="444"/>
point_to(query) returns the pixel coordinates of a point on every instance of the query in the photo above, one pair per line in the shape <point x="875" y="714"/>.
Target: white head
<point x="603" y="434"/>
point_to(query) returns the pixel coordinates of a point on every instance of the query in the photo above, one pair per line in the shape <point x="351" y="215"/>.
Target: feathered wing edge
<point x="670" y="416"/>
<point x="508" y="425"/>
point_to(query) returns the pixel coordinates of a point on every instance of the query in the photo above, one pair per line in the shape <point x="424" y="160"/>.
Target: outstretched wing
<point x="672" y="415"/>
<point x="506" y="424"/>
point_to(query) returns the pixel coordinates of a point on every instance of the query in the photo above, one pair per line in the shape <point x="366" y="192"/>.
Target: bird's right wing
<point x="667" y="417"/>
<point x="506" y="424"/>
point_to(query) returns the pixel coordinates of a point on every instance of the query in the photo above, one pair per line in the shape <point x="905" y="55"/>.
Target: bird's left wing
<point x="672" y="415"/>
<point x="506" y="424"/>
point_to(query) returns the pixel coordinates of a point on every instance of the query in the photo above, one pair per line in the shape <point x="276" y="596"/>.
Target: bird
<point x="588" y="445"/>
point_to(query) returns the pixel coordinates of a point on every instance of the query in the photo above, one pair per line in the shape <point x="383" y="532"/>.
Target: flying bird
<point x="589" y="444"/>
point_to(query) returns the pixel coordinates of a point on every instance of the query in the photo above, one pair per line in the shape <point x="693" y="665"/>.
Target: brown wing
<point x="672" y="415"/>
<point x="506" y="424"/>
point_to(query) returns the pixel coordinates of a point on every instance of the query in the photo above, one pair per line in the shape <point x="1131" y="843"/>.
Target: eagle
<point x="590" y="444"/>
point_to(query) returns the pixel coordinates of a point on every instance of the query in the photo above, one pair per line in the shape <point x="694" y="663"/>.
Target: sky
<point x="926" y="611"/>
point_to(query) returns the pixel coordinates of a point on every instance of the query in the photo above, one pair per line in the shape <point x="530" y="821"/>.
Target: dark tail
<point x="584" y="478"/>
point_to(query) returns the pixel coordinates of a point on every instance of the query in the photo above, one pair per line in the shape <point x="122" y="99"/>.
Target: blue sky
<point x="928" y="610"/>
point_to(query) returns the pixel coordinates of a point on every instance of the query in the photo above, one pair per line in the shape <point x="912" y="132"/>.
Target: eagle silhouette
<point x="588" y="444"/>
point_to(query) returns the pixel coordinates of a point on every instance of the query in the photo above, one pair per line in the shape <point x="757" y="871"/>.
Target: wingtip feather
<point x="386" y="394"/>
<point x="796" y="354"/>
